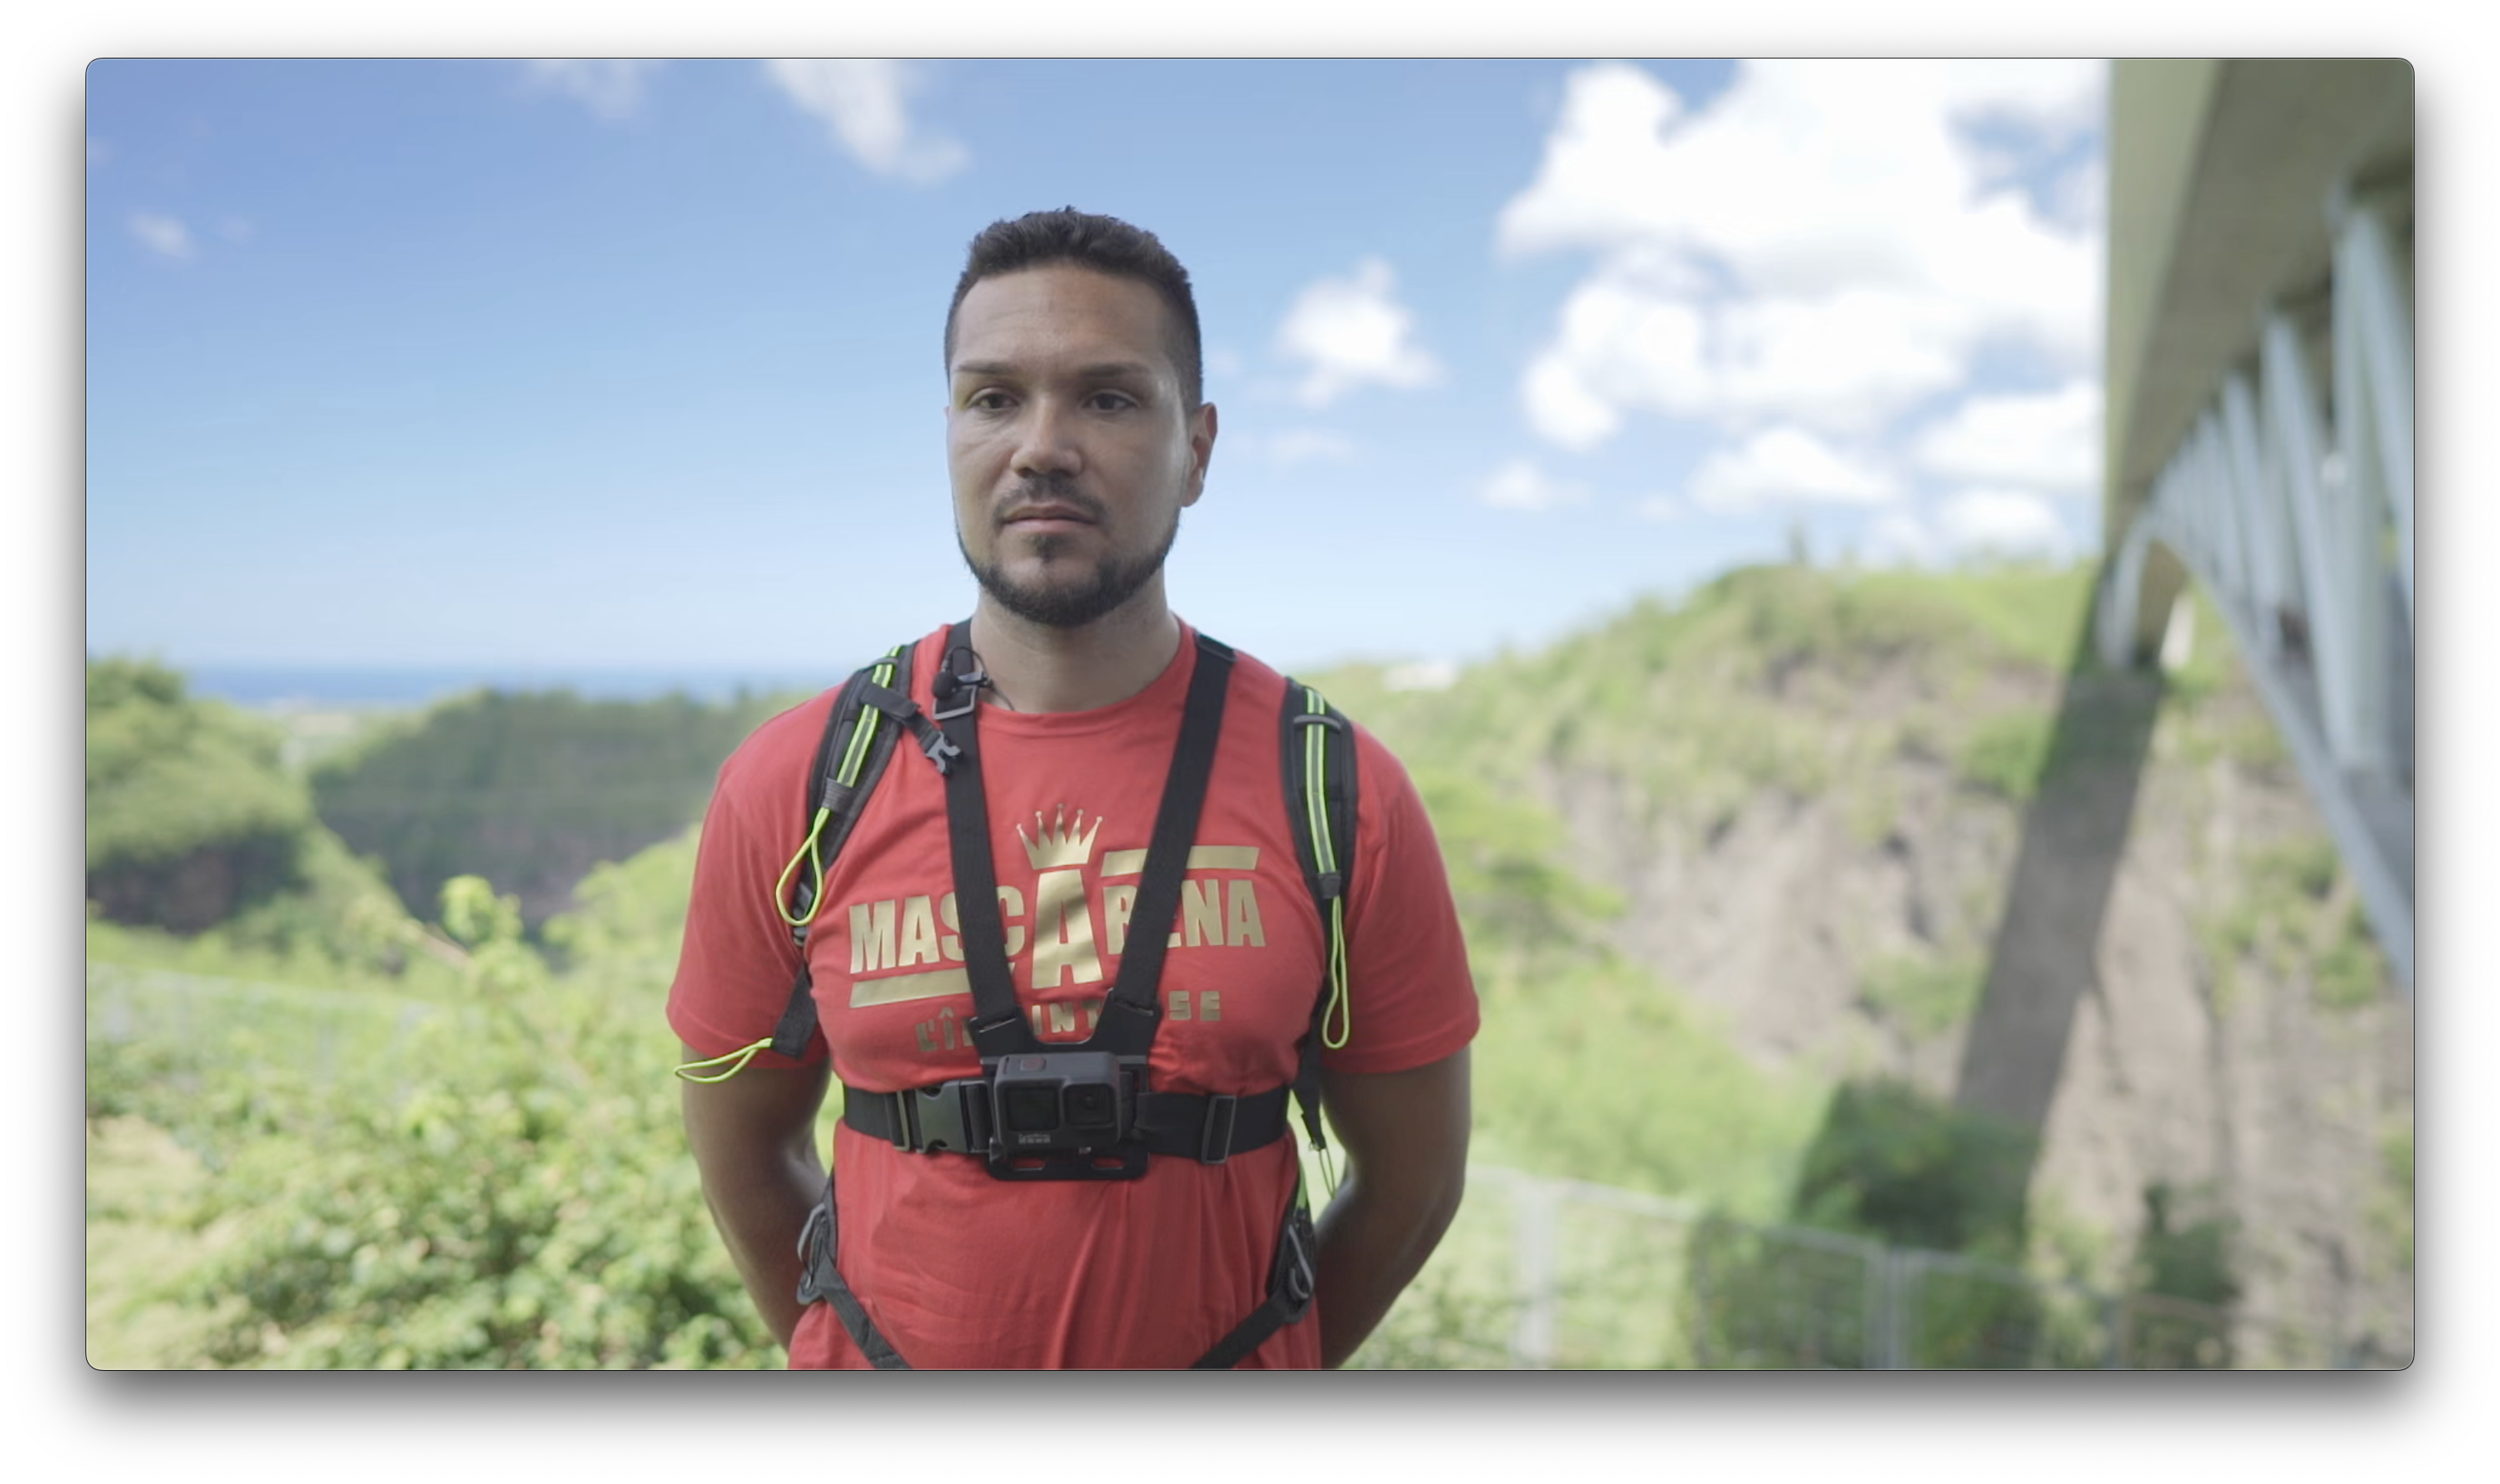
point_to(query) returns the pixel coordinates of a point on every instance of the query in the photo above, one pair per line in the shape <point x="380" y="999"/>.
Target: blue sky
<point x="593" y="365"/>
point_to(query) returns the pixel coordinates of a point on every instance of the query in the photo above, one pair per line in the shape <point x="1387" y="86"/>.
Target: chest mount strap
<point x="978" y="1116"/>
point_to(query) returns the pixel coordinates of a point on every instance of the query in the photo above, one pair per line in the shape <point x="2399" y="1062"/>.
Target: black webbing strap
<point x="820" y="1280"/>
<point x="997" y="1026"/>
<point x="954" y="1118"/>
<point x="1315" y="733"/>
<point x="1292" y="1277"/>
<point x="844" y="748"/>
<point x="1130" y="1010"/>
<point x="1133" y="1009"/>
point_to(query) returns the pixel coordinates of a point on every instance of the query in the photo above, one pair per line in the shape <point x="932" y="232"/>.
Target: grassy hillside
<point x="528" y="789"/>
<point x="455" y="1144"/>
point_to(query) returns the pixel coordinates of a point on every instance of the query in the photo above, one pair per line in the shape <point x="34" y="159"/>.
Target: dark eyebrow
<point x="1106" y="371"/>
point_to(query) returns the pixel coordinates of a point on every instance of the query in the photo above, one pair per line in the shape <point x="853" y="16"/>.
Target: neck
<point x="1036" y="668"/>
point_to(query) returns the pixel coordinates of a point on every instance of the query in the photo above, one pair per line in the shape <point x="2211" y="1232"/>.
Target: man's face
<point x="1070" y="453"/>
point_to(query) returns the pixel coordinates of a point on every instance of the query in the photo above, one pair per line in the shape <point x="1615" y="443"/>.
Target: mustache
<point x="1052" y="489"/>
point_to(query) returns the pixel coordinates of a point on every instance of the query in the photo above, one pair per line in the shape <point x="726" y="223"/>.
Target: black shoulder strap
<point x="1321" y="799"/>
<point x="867" y="715"/>
<point x="1131" y="1011"/>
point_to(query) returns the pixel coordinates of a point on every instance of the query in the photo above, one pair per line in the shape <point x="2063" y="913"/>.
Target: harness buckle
<point x="1297" y="1276"/>
<point x="1215" y="1135"/>
<point x="931" y="1120"/>
<point x="817" y="1274"/>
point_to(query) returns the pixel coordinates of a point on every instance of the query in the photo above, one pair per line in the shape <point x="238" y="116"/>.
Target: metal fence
<point x="1542" y="1273"/>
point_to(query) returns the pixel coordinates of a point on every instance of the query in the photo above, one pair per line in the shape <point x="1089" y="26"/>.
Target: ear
<point x="1202" y="450"/>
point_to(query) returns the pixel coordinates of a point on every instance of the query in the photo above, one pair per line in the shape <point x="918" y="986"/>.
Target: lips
<point x="1047" y="516"/>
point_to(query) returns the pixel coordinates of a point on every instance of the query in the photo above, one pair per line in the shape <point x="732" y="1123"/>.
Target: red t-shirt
<point x="963" y="1271"/>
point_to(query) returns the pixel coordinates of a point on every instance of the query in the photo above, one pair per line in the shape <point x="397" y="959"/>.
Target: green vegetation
<point x="325" y="1134"/>
<point x="2393" y="1211"/>
<point x="1891" y="1164"/>
<point x="1926" y="994"/>
<point x="1756" y="682"/>
<point x="491" y="1177"/>
<point x="530" y="790"/>
<point x="194" y="828"/>
<point x="2184" y="1252"/>
<point x="2003" y="755"/>
<point x="2295" y="913"/>
<point x="188" y="818"/>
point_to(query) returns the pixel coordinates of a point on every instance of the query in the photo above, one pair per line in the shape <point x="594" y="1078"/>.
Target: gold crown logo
<point x="1055" y="846"/>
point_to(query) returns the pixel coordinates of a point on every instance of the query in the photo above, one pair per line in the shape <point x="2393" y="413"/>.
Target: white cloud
<point x="2003" y="522"/>
<point x="97" y="152"/>
<point x="1353" y="331"/>
<point x="2057" y="98"/>
<point x="1307" y="445"/>
<point x="2049" y="440"/>
<point x="1519" y="485"/>
<point x="1818" y="245"/>
<point x="1661" y="508"/>
<point x="2079" y="199"/>
<point x="862" y="103"/>
<point x="1787" y="465"/>
<point x="165" y="234"/>
<point x="611" y="88"/>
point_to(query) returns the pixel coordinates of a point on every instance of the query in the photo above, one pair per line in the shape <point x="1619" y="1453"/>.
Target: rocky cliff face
<point x="2150" y="953"/>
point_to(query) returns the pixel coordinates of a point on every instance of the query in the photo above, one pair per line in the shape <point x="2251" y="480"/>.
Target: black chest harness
<point x="1081" y="1110"/>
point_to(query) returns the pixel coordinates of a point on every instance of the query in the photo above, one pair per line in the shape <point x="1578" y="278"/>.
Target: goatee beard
<point x="1075" y="603"/>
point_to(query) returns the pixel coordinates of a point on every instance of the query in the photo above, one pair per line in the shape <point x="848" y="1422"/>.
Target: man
<point x="1076" y="431"/>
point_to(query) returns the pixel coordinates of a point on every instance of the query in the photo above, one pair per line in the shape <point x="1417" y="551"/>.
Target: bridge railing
<point x="2296" y="516"/>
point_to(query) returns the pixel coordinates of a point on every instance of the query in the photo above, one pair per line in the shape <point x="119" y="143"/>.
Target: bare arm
<point x="1405" y="1137"/>
<point x="753" y="1138"/>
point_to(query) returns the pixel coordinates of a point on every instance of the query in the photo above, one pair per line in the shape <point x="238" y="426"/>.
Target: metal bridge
<point x="2261" y="417"/>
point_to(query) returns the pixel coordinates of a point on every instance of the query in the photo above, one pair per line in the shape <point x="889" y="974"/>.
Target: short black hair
<point x="1106" y="245"/>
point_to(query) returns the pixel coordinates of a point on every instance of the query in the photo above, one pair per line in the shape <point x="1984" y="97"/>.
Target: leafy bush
<point x="496" y="1179"/>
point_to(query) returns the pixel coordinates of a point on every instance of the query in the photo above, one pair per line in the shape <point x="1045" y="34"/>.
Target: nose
<point x="1046" y="444"/>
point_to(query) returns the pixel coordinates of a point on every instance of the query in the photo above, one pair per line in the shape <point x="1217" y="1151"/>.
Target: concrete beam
<point x="2221" y="177"/>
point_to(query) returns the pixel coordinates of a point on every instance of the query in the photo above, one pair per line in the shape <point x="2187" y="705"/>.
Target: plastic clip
<point x="1215" y="1135"/>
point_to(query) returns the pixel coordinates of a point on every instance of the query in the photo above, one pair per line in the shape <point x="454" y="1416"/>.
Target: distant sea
<point x="349" y="686"/>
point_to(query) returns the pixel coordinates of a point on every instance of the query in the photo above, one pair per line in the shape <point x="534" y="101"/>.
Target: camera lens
<point x="1030" y="1110"/>
<point x="1089" y="1104"/>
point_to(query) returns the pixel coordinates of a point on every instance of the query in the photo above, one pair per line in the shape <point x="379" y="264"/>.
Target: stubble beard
<point x="1075" y="602"/>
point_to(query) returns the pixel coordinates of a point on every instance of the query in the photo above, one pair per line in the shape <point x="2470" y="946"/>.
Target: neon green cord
<point x="1336" y="1023"/>
<point x="1340" y="1006"/>
<point x="741" y="1056"/>
<point x="854" y="756"/>
<point x="815" y="865"/>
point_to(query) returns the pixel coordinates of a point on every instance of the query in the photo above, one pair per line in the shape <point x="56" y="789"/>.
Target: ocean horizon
<point x="300" y="687"/>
